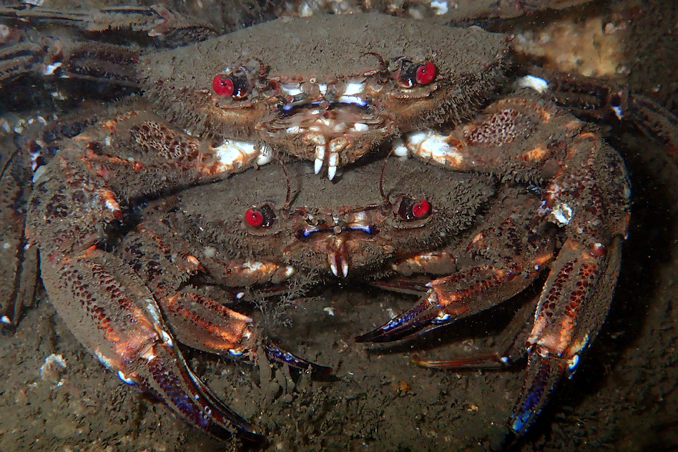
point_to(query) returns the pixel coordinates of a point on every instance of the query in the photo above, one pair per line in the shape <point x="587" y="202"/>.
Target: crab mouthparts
<point x="337" y="256"/>
<point x="329" y="120"/>
<point x="337" y="242"/>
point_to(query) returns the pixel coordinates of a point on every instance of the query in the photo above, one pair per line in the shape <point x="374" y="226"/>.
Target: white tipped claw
<point x="318" y="165"/>
<point x="331" y="172"/>
<point x="344" y="268"/>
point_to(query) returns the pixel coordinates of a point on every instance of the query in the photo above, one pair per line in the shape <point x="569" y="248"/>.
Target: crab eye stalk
<point x="414" y="209"/>
<point x="260" y="217"/>
<point x="236" y="87"/>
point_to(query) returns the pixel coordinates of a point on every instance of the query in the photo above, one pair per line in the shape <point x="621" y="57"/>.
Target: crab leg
<point x="18" y="274"/>
<point x="604" y="99"/>
<point x="115" y="316"/>
<point x="153" y="21"/>
<point x="568" y="317"/>
<point x="106" y="305"/>
<point x="196" y="320"/>
<point x="592" y="212"/>
<point x="475" y="288"/>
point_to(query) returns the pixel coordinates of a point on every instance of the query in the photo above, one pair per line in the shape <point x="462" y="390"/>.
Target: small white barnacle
<point x="562" y="214"/>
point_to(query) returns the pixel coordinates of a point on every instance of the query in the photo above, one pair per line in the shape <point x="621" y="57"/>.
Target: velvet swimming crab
<point x="559" y="203"/>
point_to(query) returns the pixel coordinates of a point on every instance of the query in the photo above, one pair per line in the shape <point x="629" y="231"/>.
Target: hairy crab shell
<point x="348" y="93"/>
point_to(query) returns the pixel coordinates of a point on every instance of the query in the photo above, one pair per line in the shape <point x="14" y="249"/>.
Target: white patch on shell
<point x="167" y="338"/>
<point x="572" y="364"/>
<point x="618" y="112"/>
<point x="125" y="378"/>
<point x="112" y="205"/>
<point x="50" y="68"/>
<point x="103" y="360"/>
<point x="354" y="88"/>
<point x="291" y="89"/>
<point x="536" y="83"/>
<point x="353" y="100"/>
<point x="265" y="155"/>
<point x="431" y="145"/>
<point x="400" y="150"/>
<point x="38" y="172"/>
<point x="439" y="7"/>
<point x="329" y="310"/>
<point x="442" y="316"/>
<point x="234" y="154"/>
<point x="210" y="251"/>
<point x="562" y="213"/>
<point x="253" y="265"/>
<point x="152" y="309"/>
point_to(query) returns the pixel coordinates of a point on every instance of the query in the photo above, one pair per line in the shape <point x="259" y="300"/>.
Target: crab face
<point x="326" y="233"/>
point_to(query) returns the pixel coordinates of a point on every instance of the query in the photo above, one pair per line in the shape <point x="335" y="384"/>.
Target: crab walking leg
<point x="604" y="99"/>
<point x="140" y="22"/>
<point x="569" y="314"/>
<point x="582" y="196"/>
<point x="476" y="287"/>
<point x="463" y="294"/>
<point x="197" y="320"/>
<point x="18" y="280"/>
<point x="106" y="305"/>
<point x="112" y="313"/>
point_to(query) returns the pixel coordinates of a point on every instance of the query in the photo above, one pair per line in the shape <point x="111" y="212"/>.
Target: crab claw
<point x="168" y="378"/>
<point x="544" y="374"/>
<point x="277" y="354"/>
<point x="419" y="316"/>
<point x="126" y="332"/>
<point x="451" y="298"/>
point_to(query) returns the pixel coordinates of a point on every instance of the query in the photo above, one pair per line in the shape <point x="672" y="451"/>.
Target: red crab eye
<point x="421" y="209"/>
<point x="254" y="218"/>
<point x="413" y="209"/>
<point x="425" y="73"/>
<point x="260" y="217"/>
<point x="223" y="86"/>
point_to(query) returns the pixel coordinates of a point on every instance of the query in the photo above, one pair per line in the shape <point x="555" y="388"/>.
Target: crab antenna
<point x="381" y="178"/>
<point x="287" y="182"/>
<point x="7" y="163"/>
<point x="383" y="68"/>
